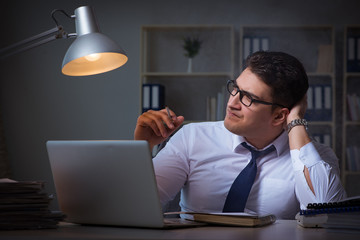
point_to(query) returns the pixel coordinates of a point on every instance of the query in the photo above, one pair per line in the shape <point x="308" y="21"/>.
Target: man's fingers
<point x="155" y="120"/>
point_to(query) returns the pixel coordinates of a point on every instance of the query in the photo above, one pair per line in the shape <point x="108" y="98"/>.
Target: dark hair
<point x="283" y="73"/>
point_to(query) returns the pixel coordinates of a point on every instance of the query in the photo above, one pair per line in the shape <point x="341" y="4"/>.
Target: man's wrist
<point x="297" y="122"/>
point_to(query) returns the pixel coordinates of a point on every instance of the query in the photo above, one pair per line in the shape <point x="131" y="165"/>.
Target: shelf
<point x="352" y="74"/>
<point x="163" y="62"/>
<point x="351" y="129"/>
<point x="352" y="172"/>
<point x="162" y="48"/>
<point x="187" y="27"/>
<point x="320" y="74"/>
<point x="185" y="74"/>
<point x="306" y="42"/>
<point x="352" y="123"/>
<point x="209" y="74"/>
<point x="317" y="123"/>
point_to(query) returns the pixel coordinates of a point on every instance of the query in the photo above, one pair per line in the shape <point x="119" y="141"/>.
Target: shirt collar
<point x="237" y="140"/>
<point x="281" y="143"/>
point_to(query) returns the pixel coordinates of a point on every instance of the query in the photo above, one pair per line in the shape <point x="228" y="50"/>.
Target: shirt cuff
<point x="309" y="156"/>
<point x="297" y="164"/>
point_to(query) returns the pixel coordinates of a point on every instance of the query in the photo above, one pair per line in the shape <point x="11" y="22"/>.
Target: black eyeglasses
<point x="245" y="97"/>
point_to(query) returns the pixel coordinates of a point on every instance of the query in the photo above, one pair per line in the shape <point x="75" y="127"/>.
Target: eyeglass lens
<point x="245" y="98"/>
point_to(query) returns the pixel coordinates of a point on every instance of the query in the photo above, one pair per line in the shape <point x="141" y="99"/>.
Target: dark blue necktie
<point x="240" y="189"/>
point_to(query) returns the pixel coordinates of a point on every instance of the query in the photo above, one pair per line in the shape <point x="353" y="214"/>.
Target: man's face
<point x="254" y="121"/>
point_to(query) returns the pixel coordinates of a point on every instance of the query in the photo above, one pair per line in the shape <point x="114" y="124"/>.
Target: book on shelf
<point x="342" y="214"/>
<point x="211" y="108"/>
<point x="319" y="98"/>
<point x="353" y="54"/>
<point x="216" y="106"/>
<point x="229" y="219"/>
<point x="325" y="59"/>
<point x="254" y="44"/>
<point x="353" y="158"/>
<point x="324" y="138"/>
<point x="153" y="97"/>
<point x="353" y="102"/>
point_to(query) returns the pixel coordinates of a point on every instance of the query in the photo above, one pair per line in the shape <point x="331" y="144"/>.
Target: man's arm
<point x="318" y="164"/>
<point x="170" y="169"/>
<point x="298" y="136"/>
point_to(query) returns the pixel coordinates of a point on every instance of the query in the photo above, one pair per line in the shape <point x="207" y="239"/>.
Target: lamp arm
<point x="34" y="41"/>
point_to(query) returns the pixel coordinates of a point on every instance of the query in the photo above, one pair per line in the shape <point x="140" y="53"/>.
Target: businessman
<point x="260" y="159"/>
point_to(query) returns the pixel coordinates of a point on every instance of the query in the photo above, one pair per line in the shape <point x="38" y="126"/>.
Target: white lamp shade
<point x="92" y="52"/>
<point x="105" y="55"/>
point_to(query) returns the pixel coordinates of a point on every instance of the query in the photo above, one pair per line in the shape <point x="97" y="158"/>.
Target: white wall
<point x="39" y="103"/>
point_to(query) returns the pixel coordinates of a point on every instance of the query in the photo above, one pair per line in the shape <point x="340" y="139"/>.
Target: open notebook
<point x="108" y="183"/>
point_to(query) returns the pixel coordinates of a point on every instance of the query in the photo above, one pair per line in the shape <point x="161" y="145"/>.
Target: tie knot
<point x="255" y="153"/>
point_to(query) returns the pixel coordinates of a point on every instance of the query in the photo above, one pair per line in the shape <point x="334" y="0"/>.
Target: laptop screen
<point x="106" y="182"/>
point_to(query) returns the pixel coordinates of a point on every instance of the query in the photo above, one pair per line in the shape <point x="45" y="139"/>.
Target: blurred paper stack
<point x="25" y="205"/>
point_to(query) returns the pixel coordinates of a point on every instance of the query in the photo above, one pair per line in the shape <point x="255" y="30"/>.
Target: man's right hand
<point x="156" y="126"/>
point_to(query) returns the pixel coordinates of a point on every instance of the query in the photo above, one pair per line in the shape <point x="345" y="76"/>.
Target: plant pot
<point x="189" y="69"/>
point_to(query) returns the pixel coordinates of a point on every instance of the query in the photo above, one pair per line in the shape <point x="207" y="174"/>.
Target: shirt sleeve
<point x="324" y="173"/>
<point x="171" y="168"/>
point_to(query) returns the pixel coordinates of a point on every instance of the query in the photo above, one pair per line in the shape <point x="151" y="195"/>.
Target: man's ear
<point x="280" y="116"/>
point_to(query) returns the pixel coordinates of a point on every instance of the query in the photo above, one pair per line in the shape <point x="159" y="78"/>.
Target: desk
<point x="280" y="230"/>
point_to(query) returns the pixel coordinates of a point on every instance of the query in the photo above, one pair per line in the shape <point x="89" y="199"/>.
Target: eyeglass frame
<point x="243" y="93"/>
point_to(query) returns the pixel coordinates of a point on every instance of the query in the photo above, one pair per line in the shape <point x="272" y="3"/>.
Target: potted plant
<point x="192" y="48"/>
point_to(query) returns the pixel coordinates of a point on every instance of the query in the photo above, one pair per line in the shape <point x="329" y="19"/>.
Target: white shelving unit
<point x="351" y="126"/>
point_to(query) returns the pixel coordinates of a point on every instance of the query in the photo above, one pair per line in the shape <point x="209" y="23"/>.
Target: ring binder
<point x="342" y="214"/>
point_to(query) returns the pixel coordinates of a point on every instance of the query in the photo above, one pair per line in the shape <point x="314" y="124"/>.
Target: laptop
<point x="108" y="183"/>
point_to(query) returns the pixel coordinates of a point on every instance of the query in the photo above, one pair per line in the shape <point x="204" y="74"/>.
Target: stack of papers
<point x="24" y="205"/>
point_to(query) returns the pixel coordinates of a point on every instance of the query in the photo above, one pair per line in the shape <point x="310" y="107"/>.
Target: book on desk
<point x="229" y="219"/>
<point x="342" y="214"/>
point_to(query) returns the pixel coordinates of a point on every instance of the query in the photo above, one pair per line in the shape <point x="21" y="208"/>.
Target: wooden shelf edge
<point x="346" y="172"/>
<point x="185" y="74"/>
<point x="317" y="123"/>
<point x="352" y="123"/>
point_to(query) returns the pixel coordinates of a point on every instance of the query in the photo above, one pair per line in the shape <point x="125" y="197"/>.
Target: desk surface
<point x="281" y="229"/>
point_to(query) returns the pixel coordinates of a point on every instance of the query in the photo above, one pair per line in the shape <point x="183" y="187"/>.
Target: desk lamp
<point x="91" y="53"/>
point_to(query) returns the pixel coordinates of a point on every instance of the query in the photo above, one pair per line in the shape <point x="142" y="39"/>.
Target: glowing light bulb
<point x="92" y="57"/>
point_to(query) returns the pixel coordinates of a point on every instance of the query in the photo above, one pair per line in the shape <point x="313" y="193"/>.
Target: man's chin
<point x="231" y="126"/>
